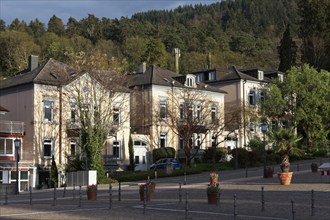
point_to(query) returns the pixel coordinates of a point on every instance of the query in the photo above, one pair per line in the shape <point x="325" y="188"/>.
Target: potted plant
<point x="314" y="167"/>
<point x="145" y="189"/>
<point x="91" y="192"/>
<point x="152" y="186"/>
<point x="284" y="142"/>
<point x="214" y="178"/>
<point x="213" y="191"/>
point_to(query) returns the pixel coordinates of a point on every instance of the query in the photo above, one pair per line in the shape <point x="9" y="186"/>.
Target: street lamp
<point x="17" y="143"/>
<point x="236" y="154"/>
<point x="264" y="129"/>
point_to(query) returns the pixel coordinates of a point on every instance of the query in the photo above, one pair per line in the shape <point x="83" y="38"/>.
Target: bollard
<point x="30" y="190"/>
<point x="80" y="197"/>
<point x="293" y="211"/>
<point x="119" y="192"/>
<point x="54" y="200"/>
<point x="312" y="206"/>
<point x="148" y="180"/>
<point x="185" y="179"/>
<point x="235" y="210"/>
<point x="64" y="190"/>
<point x="73" y="192"/>
<point x="186" y="209"/>
<point x="246" y="172"/>
<point x="155" y="174"/>
<point x="144" y="200"/>
<point x="6" y="196"/>
<point x="218" y="198"/>
<point x="262" y="199"/>
<point x="180" y="195"/>
<point x="297" y="167"/>
<point x="110" y="195"/>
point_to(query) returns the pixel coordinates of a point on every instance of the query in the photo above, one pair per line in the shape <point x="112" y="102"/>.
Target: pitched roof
<point x="155" y="75"/>
<point x="2" y="109"/>
<point x="50" y="72"/>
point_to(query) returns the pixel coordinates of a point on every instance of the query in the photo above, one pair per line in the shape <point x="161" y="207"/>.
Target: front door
<point x="141" y="159"/>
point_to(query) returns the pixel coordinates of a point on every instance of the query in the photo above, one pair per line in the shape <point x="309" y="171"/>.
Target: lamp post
<point x="17" y="143"/>
<point x="264" y="129"/>
<point x="236" y="154"/>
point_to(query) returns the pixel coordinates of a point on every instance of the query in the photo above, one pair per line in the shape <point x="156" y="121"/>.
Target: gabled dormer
<point x="190" y="81"/>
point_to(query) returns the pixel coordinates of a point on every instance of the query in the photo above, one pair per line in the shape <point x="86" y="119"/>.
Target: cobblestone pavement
<point x="243" y="186"/>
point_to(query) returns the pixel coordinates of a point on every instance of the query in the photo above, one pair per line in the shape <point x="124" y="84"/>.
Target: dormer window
<point x="280" y="77"/>
<point x="211" y="75"/>
<point x="190" y="81"/>
<point x="261" y="75"/>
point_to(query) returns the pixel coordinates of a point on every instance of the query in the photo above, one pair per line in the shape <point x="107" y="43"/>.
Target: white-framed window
<point x="260" y="75"/>
<point x="48" y="148"/>
<point x="73" y="147"/>
<point x="198" y="111"/>
<point x="213" y="115"/>
<point x="73" y="114"/>
<point x="6" y="146"/>
<point x="181" y="111"/>
<point x="116" y="115"/>
<point x="162" y="140"/>
<point x="163" y="109"/>
<point x="213" y="140"/>
<point x="136" y="159"/>
<point x="143" y="159"/>
<point x="116" y="149"/>
<point x="190" y="81"/>
<point x="48" y="110"/>
<point x="199" y="77"/>
<point x="252" y="97"/>
<point x="190" y="113"/>
<point x="262" y="96"/>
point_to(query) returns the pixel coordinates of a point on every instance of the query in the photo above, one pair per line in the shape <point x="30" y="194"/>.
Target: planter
<point x="91" y="195"/>
<point x="285" y="178"/>
<point x="213" y="181"/>
<point x="212" y="198"/>
<point x="148" y="196"/>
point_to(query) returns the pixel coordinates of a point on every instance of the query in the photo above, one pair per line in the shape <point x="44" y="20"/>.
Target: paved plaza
<point x="308" y="197"/>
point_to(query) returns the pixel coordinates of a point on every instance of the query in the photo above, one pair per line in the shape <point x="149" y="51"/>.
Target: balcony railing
<point x="12" y="127"/>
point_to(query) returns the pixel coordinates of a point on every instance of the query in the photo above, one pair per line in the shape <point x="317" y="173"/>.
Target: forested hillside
<point x="234" y="32"/>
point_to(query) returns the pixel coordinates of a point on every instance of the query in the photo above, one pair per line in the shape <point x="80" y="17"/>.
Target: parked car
<point x="162" y="163"/>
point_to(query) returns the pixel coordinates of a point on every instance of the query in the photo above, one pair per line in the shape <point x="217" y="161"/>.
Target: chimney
<point x="33" y="62"/>
<point x="142" y="67"/>
<point x="176" y="59"/>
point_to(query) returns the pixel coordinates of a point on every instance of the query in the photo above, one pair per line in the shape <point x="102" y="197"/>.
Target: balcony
<point x="72" y="128"/>
<point x="12" y="127"/>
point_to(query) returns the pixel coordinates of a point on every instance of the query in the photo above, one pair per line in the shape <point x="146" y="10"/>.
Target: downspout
<point x="244" y="126"/>
<point x="60" y="126"/>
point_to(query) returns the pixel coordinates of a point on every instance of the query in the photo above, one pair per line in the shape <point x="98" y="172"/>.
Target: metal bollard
<point x="110" y="195"/>
<point x="64" y="190"/>
<point x="262" y="199"/>
<point x="80" y="197"/>
<point x="30" y="190"/>
<point x="155" y="174"/>
<point x="186" y="208"/>
<point x="235" y="210"/>
<point x="6" y="196"/>
<point x="73" y="192"/>
<point x="312" y="206"/>
<point x="119" y="192"/>
<point x="54" y="200"/>
<point x="180" y="195"/>
<point x="293" y="211"/>
<point x="144" y="200"/>
<point x="185" y="179"/>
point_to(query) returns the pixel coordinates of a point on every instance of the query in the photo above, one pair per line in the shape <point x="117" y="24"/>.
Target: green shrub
<point x="209" y="154"/>
<point x="163" y="152"/>
<point x="242" y="157"/>
<point x="53" y="173"/>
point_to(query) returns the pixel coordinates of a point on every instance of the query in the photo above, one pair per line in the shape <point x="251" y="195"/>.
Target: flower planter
<point x="148" y="196"/>
<point x="212" y="198"/>
<point x="91" y="195"/>
<point x="285" y="178"/>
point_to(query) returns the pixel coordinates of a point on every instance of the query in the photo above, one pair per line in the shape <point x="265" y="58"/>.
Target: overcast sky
<point x="28" y="10"/>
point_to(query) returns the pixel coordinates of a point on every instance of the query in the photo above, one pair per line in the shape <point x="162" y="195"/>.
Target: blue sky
<point x="28" y="10"/>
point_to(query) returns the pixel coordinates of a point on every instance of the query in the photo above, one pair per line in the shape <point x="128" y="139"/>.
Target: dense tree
<point x="2" y="25"/>
<point x="56" y="26"/>
<point x="287" y="51"/>
<point x="315" y="32"/>
<point x="37" y="28"/>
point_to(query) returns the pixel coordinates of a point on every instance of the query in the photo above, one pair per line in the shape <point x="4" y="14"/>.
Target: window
<point x="6" y="146"/>
<point x="162" y="141"/>
<point x="73" y="148"/>
<point x="116" y="115"/>
<point x="116" y="149"/>
<point x="262" y="96"/>
<point x="213" y="140"/>
<point x="181" y="142"/>
<point x="252" y="97"/>
<point x="190" y="81"/>
<point x="198" y="112"/>
<point x="48" y="110"/>
<point x="181" y="111"/>
<point x="136" y="160"/>
<point x="73" y="114"/>
<point x="143" y="159"/>
<point x="212" y="75"/>
<point x="162" y="109"/>
<point x="214" y="115"/>
<point x="190" y="113"/>
<point x="260" y="75"/>
<point x="48" y="147"/>
<point x="199" y="77"/>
